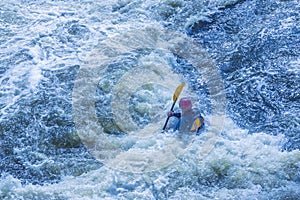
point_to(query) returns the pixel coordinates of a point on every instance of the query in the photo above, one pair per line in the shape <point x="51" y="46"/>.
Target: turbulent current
<point x="86" y="85"/>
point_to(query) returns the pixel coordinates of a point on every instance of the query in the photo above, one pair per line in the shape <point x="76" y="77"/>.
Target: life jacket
<point x="190" y="121"/>
<point x="197" y="124"/>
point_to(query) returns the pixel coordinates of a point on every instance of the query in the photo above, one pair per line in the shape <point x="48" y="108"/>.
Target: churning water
<point x="85" y="87"/>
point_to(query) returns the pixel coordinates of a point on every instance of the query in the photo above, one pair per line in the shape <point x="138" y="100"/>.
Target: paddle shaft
<point x="175" y="97"/>
<point x="168" y="116"/>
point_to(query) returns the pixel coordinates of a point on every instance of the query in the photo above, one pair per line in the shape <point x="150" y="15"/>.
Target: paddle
<point x="175" y="97"/>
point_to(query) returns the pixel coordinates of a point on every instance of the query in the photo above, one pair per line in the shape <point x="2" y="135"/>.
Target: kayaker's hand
<point x="170" y="114"/>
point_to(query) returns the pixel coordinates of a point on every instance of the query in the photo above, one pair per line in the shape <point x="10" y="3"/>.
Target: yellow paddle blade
<point x="178" y="91"/>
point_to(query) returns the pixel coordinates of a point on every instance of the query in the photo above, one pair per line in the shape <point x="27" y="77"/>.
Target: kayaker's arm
<point x="173" y="114"/>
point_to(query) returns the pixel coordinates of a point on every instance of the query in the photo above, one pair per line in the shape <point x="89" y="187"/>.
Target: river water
<point x="85" y="87"/>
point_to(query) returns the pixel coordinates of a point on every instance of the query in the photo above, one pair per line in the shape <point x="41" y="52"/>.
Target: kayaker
<point x="189" y="119"/>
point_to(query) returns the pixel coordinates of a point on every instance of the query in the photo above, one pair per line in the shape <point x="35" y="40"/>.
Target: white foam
<point x="240" y="165"/>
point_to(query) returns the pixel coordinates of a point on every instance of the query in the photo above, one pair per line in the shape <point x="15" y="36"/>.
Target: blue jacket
<point x="189" y="121"/>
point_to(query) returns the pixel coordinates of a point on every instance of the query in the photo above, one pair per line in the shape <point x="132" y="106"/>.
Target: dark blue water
<point x="259" y="66"/>
<point x="255" y="46"/>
